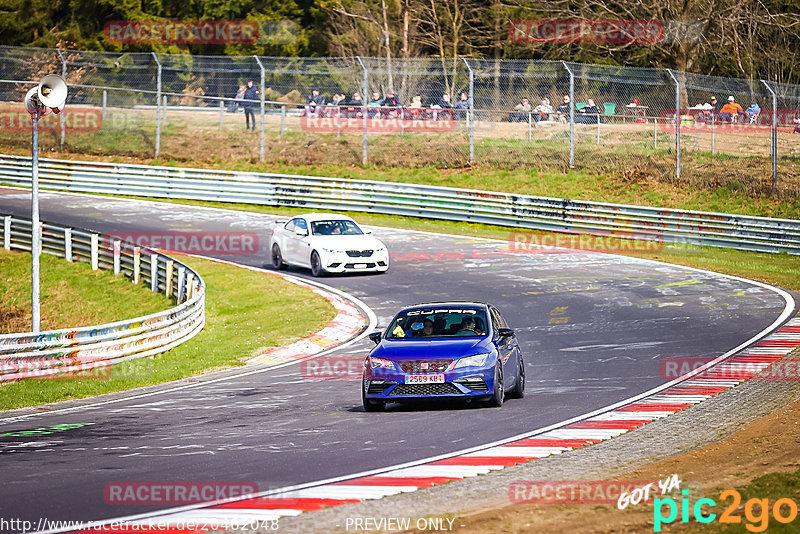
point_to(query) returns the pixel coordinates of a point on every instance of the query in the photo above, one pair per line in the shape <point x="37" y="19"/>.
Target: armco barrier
<point x="742" y="232"/>
<point x="78" y="351"/>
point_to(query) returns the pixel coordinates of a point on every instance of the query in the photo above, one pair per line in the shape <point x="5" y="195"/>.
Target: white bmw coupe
<point x="326" y="243"/>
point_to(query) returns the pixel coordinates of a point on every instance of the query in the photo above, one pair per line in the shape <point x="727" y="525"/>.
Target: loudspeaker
<point x="49" y="95"/>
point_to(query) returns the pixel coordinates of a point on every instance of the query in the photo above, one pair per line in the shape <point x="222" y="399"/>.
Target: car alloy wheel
<point x="277" y="258"/>
<point x="316" y="264"/>
<point x="496" y="400"/>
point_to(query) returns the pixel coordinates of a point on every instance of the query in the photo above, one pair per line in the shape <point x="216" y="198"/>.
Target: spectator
<point x="543" y="110"/>
<point x="730" y="111"/>
<point x="716" y="106"/>
<point x="797" y="126"/>
<point x="589" y="114"/>
<point x="313" y="103"/>
<point x="443" y="103"/>
<point x="415" y="107"/>
<point x="521" y="112"/>
<point x="752" y="112"/>
<point x="374" y="103"/>
<point x="250" y="97"/>
<point x="464" y="103"/>
<point x="390" y="105"/>
<point x="238" y="100"/>
<point x="355" y="104"/>
<point x="563" y="109"/>
<point x="336" y="105"/>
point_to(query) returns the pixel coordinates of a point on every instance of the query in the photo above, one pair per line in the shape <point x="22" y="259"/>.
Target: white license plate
<point x="425" y="379"/>
<point x="360" y="266"/>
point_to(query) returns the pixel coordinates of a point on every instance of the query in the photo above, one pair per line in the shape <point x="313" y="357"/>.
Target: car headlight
<point x="380" y="363"/>
<point x="477" y="360"/>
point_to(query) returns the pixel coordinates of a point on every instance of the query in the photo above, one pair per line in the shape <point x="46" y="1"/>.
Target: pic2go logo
<point x="756" y="511"/>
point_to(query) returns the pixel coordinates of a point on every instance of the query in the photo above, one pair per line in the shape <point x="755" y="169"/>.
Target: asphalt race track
<point x="593" y="329"/>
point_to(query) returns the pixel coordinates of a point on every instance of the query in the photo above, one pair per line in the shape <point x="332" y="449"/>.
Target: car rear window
<point x="438" y="323"/>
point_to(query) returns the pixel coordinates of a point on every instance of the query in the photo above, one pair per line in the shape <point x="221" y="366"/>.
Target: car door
<point x="506" y="349"/>
<point x="296" y="241"/>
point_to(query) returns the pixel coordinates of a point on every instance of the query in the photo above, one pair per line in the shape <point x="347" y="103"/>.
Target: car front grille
<point x="424" y="366"/>
<point x="426" y="389"/>
<point x="376" y="388"/>
<point x="359" y="253"/>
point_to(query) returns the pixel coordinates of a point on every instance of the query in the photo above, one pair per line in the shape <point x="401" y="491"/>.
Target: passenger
<point x="467" y="327"/>
<point x="427" y="328"/>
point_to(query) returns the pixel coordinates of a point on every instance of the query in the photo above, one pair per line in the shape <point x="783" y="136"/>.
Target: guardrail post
<point x="158" y="105"/>
<point x="364" y="88"/>
<point x="677" y="123"/>
<point x="471" y="112"/>
<point x="221" y="114"/>
<point x="774" y="136"/>
<point x="263" y="88"/>
<point x="95" y="252"/>
<point x="168" y="279"/>
<point x="68" y="244"/>
<point x="571" y="115"/>
<point x="7" y="232"/>
<point x="137" y="264"/>
<point x="283" y="119"/>
<point x="117" y="243"/>
<point x="62" y="118"/>
<point x="154" y="273"/>
<point x="189" y="285"/>
<point x="181" y="283"/>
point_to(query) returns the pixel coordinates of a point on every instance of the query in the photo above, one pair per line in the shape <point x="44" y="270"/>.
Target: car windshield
<point x="335" y="227"/>
<point x="438" y="323"/>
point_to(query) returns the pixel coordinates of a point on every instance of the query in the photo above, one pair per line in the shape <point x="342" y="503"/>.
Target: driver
<point x="467" y="327"/>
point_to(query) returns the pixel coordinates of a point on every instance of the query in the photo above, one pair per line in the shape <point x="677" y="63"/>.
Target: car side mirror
<point x="505" y="332"/>
<point x="376" y="337"/>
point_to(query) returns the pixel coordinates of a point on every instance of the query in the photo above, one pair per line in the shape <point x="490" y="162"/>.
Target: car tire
<point x="519" y="388"/>
<point x="496" y="400"/>
<point x="371" y="405"/>
<point x="316" y="265"/>
<point x="277" y="258"/>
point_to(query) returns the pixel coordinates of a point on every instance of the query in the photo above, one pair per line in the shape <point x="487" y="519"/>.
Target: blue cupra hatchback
<point x="444" y="350"/>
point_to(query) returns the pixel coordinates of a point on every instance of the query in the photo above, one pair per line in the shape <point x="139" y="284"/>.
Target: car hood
<point x="433" y="349"/>
<point x="347" y="242"/>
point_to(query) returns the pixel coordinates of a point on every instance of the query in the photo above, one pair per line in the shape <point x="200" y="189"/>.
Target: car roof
<point x="312" y="217"/>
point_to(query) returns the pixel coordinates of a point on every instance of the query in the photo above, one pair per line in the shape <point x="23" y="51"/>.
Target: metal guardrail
<point x="85" y="351"/>
<point x="763" y="234"/>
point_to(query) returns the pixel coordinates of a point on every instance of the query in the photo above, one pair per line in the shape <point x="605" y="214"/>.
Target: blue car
<point x="444" y="350"/>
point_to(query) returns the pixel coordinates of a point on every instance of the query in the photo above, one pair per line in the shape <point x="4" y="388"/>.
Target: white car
<point x="326" y="243"/>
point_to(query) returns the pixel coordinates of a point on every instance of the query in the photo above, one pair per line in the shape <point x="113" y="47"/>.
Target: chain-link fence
<point x="546" y="115"/>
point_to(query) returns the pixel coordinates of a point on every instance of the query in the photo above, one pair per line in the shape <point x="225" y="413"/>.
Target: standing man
<point x="250" y="98"/>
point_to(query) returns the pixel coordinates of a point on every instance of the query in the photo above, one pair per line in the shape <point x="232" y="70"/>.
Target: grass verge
<point x="245" y="311"/>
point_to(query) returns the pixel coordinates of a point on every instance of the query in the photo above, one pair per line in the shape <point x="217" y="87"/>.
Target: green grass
<point x="245" y="311"/>
<point x="104" y="297"/>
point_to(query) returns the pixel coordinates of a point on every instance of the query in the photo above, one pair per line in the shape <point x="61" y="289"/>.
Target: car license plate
<point x="360" y="265"/>
<point x="425" y="379"/>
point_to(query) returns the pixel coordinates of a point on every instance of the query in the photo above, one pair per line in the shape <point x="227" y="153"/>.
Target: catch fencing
<point x="90" y="351"/>
<point x="649" y="123"/>
<point x="504" y="209"/>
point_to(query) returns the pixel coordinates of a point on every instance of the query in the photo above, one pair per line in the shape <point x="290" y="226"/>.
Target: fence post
<point x="154" y="273"/>
<point x="221" y="114"/>
<point x="471" y="112"/>
<point x="365" y="87"/>
<point x="68" y="244"/>
<point x="774" y="136"/>
<point x="7" y="232"/>
<point x="168" y="279"/>
<point x="713" y="132"/>
<point x="655" y="133"/>
<point x="63" y="119"/>
<point x="137" y="264"/>
<point x="95" y="256"/>
<point x="263" y="88"/>
<point x="677" y="123"/>
<point x="571" y="115"/>
<point x="105" y="101"/>
<point x="283" y="119"/>
<point x="598" y="128"/>
<point x="158" y="105"/>
<point x="117" y="251"/>
<point x="164" y="110"/>
<point x="530" y="126"/>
